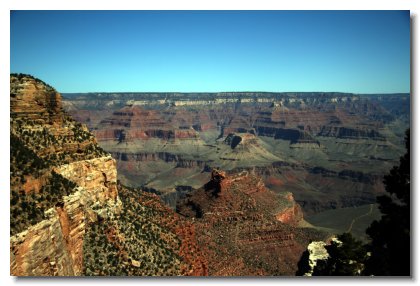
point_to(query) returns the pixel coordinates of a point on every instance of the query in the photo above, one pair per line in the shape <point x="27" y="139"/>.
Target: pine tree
<point x="390" y="246"/>
<point x="346" y="258"/>
<point x="303" y="264"/>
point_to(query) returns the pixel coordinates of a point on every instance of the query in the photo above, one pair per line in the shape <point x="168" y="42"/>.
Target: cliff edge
<point x="69" y="215"/>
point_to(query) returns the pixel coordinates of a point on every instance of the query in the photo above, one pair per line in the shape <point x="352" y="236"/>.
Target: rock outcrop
<point x="34" y="99"/>
<point x="317" y="252"/>
<point x="54" y="246"/>
<point x="291" y="213"/>
<point x="236" y="216"/>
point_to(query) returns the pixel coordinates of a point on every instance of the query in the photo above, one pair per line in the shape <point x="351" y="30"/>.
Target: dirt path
<point x="359" y="217"/>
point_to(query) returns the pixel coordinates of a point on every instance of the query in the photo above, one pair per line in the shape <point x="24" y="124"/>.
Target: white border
<point x="211" y="5"/>
<point x="7" y="5"/>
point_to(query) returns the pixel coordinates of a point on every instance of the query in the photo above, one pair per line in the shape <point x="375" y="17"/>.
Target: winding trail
<point x="359" y="217"/>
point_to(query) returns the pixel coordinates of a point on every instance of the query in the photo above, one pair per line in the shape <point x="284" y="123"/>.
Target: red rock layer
<point x="134" y="123"/>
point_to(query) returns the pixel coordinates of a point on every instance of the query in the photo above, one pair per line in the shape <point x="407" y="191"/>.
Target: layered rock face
<point x="133" y="123"/>
<point x="56" y="222"/>
<point x="34" y="99"/>
<point x="54" y="246"/>
<point x="95" y="174"/>
<point x="351" y="133"/>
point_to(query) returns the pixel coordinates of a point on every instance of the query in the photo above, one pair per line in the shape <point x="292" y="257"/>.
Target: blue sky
<point x="186" y="51"/>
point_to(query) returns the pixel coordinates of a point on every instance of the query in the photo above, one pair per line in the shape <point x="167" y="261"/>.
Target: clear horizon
<point x="361" y="52"/>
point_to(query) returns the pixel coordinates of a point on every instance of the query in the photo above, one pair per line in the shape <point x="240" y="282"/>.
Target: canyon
<point x="330" y="150"/>
<point x="72" y="215"/>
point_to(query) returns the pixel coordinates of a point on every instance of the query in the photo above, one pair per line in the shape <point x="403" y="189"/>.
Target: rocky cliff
<point x="68" y="215"/>
<point x="54" y="246"/>
<point x="53" y="215"/>
<point x="34" y="99"/>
